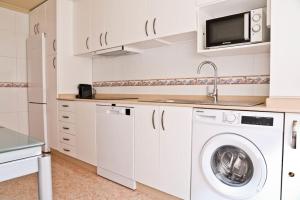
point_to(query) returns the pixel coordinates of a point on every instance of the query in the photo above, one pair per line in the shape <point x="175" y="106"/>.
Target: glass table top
<point x="11" y="141"/>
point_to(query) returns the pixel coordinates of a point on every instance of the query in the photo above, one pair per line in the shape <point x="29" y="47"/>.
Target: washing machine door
<point x="233" y="166"/>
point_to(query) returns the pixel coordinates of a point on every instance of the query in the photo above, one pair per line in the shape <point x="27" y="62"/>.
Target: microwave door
<point x="228" y="31"/>
<point x="246" y="26"/>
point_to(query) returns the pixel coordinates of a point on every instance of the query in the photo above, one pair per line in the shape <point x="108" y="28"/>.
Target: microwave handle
<point x="246" y="26"/>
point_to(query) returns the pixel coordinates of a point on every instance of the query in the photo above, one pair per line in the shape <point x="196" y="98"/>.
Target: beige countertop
<point x="137" y="100"/>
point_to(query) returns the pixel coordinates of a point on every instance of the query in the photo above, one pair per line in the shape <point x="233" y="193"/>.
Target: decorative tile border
<point x="13" y="85"/>
<point x="225" y="80"/>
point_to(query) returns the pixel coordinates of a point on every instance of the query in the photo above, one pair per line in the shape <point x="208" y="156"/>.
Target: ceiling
<point x="20" y="5"/>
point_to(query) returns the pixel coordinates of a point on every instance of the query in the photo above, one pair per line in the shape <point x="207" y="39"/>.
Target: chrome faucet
<point x="213" y="94"/>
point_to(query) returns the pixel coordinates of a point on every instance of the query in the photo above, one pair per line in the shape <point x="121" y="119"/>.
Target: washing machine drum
<point x="233" y="166"/>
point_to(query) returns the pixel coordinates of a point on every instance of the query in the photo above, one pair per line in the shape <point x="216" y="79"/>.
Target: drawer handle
<point x="65" y="106"/>
<point x="67" y="150"/>
<point x="66" y="117"/>
<point x="66" y="139"/>
<point x="65" y="128"/>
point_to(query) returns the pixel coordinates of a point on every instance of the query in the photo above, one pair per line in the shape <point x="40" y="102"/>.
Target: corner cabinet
<point x="291" y="153"/>
<point x="37" y="18"/>
<point x="82" y="26"/>
<point x="163" y="148"/>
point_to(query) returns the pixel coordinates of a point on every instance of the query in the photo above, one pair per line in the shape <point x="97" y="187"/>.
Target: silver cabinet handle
<point x="163" y="120"/>
<point x="294" y="134"/>
<point x="66" y="139"/>
<point x="54" y="45"/>
<point x="153" y="119"/>
<point x="106" y="38"/>
<point x="53" y="62"/>
<point x="37" y="28"/>
<point x="87" y="42"/>
<point x="154" y="25"/>
<point x="100" y="38"/>
<point x="67" y="150"/>
<point x="146" y="28"/>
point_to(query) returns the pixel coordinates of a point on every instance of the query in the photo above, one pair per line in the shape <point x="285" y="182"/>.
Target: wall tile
<point x="7" y="20"/>
<point x="8" y="69"/>
<point x="22" y="23"/>
<point x="21" y="45"/>
<point x="8" y="44"/>
<point x="21" y="70"/>
<point x="23" y="122"/>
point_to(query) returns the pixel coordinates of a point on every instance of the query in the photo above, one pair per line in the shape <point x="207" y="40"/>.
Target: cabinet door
<point x="98" y="24"/>
<point x="85" y="123"/>
<point x="51" y="101"/>
<point x="114" y="22"/>
<point x="291" y="153"/>
<point x="171" y="17"/>
<point x="51" y="26"/>
<point x="136" y="24"/>
<point x="175" y="151"/>
<point x="82" y="26"/>
<point x="37" y="20"/>
<point x="147" y="145"/>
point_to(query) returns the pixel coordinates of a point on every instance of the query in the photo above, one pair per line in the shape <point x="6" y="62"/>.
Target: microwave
<point x="238" y="29"/>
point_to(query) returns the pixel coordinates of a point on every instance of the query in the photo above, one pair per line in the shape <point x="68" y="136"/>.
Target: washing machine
<point x="236" y="155"/>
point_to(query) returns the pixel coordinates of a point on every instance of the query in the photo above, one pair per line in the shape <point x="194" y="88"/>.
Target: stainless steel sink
<point x="204" y="102"/>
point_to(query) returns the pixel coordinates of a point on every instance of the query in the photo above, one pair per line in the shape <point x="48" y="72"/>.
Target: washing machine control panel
<point x="231" y="117"/>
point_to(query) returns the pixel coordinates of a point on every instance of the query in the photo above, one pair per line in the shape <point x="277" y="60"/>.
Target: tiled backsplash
<point x="226" y="80"/>
<point x="13" y="85"/>
<point x="173" y="70"/>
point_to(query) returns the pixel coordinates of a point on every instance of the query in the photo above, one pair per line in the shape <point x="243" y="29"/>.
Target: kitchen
<point x="156" y="96"/>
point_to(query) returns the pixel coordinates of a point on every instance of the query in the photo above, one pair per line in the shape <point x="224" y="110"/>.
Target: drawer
<point x="67" y="128"/>
<point x="66" y="117"/>
<point x="67" y="139"/>
<point x="66" y="106"/>
<point x="67" y="149"/>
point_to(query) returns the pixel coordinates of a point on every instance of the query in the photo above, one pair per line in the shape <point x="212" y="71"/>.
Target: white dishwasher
<point x="115" y="144"/>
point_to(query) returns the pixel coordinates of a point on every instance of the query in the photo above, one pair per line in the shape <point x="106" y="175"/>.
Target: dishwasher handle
<point x="119" y="111"/>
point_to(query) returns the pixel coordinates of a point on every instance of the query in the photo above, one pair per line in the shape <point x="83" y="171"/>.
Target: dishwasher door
<point x="115" y="144"/>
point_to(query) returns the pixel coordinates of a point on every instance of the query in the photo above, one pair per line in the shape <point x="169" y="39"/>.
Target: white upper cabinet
<point x="51" y="26"/>
<point x="285" y="49"/>
<point x="171" y="17"/>
<point x="37" y="20"/>
<point x="82" y="26"/>
<point x="110" y="23"/>
<point x="136" y="22"/>
<point x="98" y="20"/>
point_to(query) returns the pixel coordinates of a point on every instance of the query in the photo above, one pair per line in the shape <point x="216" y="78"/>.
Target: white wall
<point x="179" y="61"/>
<point x="13" y="100"/>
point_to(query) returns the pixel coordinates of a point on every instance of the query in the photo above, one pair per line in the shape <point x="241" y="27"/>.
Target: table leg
<point x="45" y="178"/>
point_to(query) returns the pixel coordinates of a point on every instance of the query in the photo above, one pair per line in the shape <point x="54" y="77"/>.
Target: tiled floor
<point x="70" y="182"/>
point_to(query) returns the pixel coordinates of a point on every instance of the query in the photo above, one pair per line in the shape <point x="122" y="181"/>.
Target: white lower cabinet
<point x="85" y="114"/>
<point x="291" y="153"/>
<point x="77" y="130"/>
<point x="163" y="148"/>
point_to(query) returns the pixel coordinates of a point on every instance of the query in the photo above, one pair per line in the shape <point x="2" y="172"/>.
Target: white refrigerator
<point x="37" y="88"/>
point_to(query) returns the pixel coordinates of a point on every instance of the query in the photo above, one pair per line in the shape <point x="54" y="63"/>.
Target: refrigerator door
<point x="38" y="123"/>
<point x="36" y="63"/>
